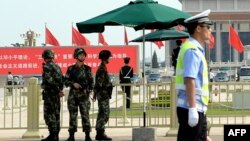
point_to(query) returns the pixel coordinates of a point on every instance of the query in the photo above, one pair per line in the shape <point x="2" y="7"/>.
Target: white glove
<point x="193" y="117"/>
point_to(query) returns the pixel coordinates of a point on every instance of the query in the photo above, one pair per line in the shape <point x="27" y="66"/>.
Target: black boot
<point x="47" y="139"/>
<point x="71" y="136"/>
<point x="87" y="137"/>
<point x="101" y="135"/>
<point x="57" y="136"/>
<point x="52" y="137"/>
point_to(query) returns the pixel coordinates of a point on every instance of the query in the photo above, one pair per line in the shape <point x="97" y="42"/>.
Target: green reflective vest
<point x="179" y="79"/>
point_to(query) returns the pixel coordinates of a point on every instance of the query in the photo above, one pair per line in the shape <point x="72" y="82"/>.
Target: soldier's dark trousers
<point x="103" y="114"/>
<point x="52" y="115"/>
<point x="75" y="101"/>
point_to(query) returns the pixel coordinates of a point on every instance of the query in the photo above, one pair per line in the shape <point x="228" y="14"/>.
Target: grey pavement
<point x="118" y="134"/>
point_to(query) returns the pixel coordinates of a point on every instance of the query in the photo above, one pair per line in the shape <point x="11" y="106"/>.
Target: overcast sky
<point x="18" y="16"/>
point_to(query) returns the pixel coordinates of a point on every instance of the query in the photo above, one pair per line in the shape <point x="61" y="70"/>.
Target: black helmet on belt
<point x="79" y="51"/>
<point x="48" y="54"/>
<point x="105" y="54"/>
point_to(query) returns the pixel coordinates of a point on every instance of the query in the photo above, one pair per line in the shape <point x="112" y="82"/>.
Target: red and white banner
<point x="28" y="60"/>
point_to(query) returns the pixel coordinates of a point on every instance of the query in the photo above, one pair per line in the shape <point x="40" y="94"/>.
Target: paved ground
<point x="118" y="134"/>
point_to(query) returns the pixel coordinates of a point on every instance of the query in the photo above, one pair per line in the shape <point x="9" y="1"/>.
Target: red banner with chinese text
<point x="28" y="60"/>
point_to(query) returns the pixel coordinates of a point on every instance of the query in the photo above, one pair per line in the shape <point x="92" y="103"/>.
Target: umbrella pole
<point x="144" y="79"/>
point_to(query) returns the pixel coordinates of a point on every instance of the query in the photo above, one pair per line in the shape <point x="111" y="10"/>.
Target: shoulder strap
<point x="128" y="72"/>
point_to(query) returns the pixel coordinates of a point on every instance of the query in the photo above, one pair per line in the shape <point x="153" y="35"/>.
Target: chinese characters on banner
<point x="28" y="60"/>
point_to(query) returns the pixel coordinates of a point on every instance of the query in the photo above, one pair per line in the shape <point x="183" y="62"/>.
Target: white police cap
<point x="199" y="18"/>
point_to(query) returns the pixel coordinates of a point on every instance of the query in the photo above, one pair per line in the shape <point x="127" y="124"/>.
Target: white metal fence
<point x="229" y="104"/>
<point x="14" y="110"/>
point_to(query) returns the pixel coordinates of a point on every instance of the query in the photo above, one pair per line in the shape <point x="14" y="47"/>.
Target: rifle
<point x="85" y="87"/>
<point x="84" y="82"/>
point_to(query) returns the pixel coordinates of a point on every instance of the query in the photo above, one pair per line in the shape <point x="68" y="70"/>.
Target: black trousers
<point x="187" y="133"/>
<point x="127" y="89"/>
<point x="9" y="83"/>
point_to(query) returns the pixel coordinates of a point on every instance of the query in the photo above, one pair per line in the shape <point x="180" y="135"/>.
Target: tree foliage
<point x="155" y="63"/>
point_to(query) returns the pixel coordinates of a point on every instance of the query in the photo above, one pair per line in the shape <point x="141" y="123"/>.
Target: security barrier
<point x="14" y="110"/>
<point x="228" y="105"/>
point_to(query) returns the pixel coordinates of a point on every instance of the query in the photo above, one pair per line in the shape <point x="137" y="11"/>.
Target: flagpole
<point x="45" y="43"/>
<point x="72" y="33"/>
<point x="230" y="52"/>
<point x="98" y="43"/>
<point x="125" y="34"/>
<point x="144" y="79"/>
<point x="151" y="56"/>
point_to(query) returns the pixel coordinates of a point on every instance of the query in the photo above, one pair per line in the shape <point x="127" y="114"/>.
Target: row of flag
<point x="80" y="40"/>
<point x="233" y="40"/>
<point x="77" y="38"/>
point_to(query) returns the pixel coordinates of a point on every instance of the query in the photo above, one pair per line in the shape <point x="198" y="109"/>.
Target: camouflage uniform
<point x="102" y="92"/>
<point x="102" y="82"/>
<point x="80" y="80"/>
<point x="79" y="97"/>
<point x="52" y="84"/>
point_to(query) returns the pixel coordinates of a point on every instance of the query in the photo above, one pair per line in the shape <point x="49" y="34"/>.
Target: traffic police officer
<point x="80" y="80"/>
<point x="102" y="92"/>
<point x="192" y="80"/>
<point x="125" y="75"/>
<point x="52" y="86"/>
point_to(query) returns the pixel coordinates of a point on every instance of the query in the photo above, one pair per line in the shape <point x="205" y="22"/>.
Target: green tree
<point x="155" y="63"/>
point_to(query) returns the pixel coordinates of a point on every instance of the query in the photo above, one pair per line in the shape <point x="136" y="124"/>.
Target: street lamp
<point x="30" y="38"/>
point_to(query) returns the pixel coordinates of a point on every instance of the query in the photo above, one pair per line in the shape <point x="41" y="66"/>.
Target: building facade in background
<point x="224" y="13"/>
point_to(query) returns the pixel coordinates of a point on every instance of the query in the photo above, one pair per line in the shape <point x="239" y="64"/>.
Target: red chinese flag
<point x="50" y="39"/>
<point x="180" y="28"/>
<point x="234" y="40"/>
<point x="211" y="41"/>
<point x="158" y="43"/>
<point x="78" y="39"/>
<point x="125" y="36"/>
<point x="101" y="40"/>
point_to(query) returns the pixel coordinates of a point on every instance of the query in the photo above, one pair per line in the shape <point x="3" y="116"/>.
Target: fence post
<point x="124" y="119"/>
<point x="173" y="117"/>
<point x="6" y="105"/>
<point x="33" y="110"/>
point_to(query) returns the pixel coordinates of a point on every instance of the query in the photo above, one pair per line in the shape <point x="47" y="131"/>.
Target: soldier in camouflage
<point x="102" y="93"/>
<point x="52" y="86"/>
<point x="80" y="80"/>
